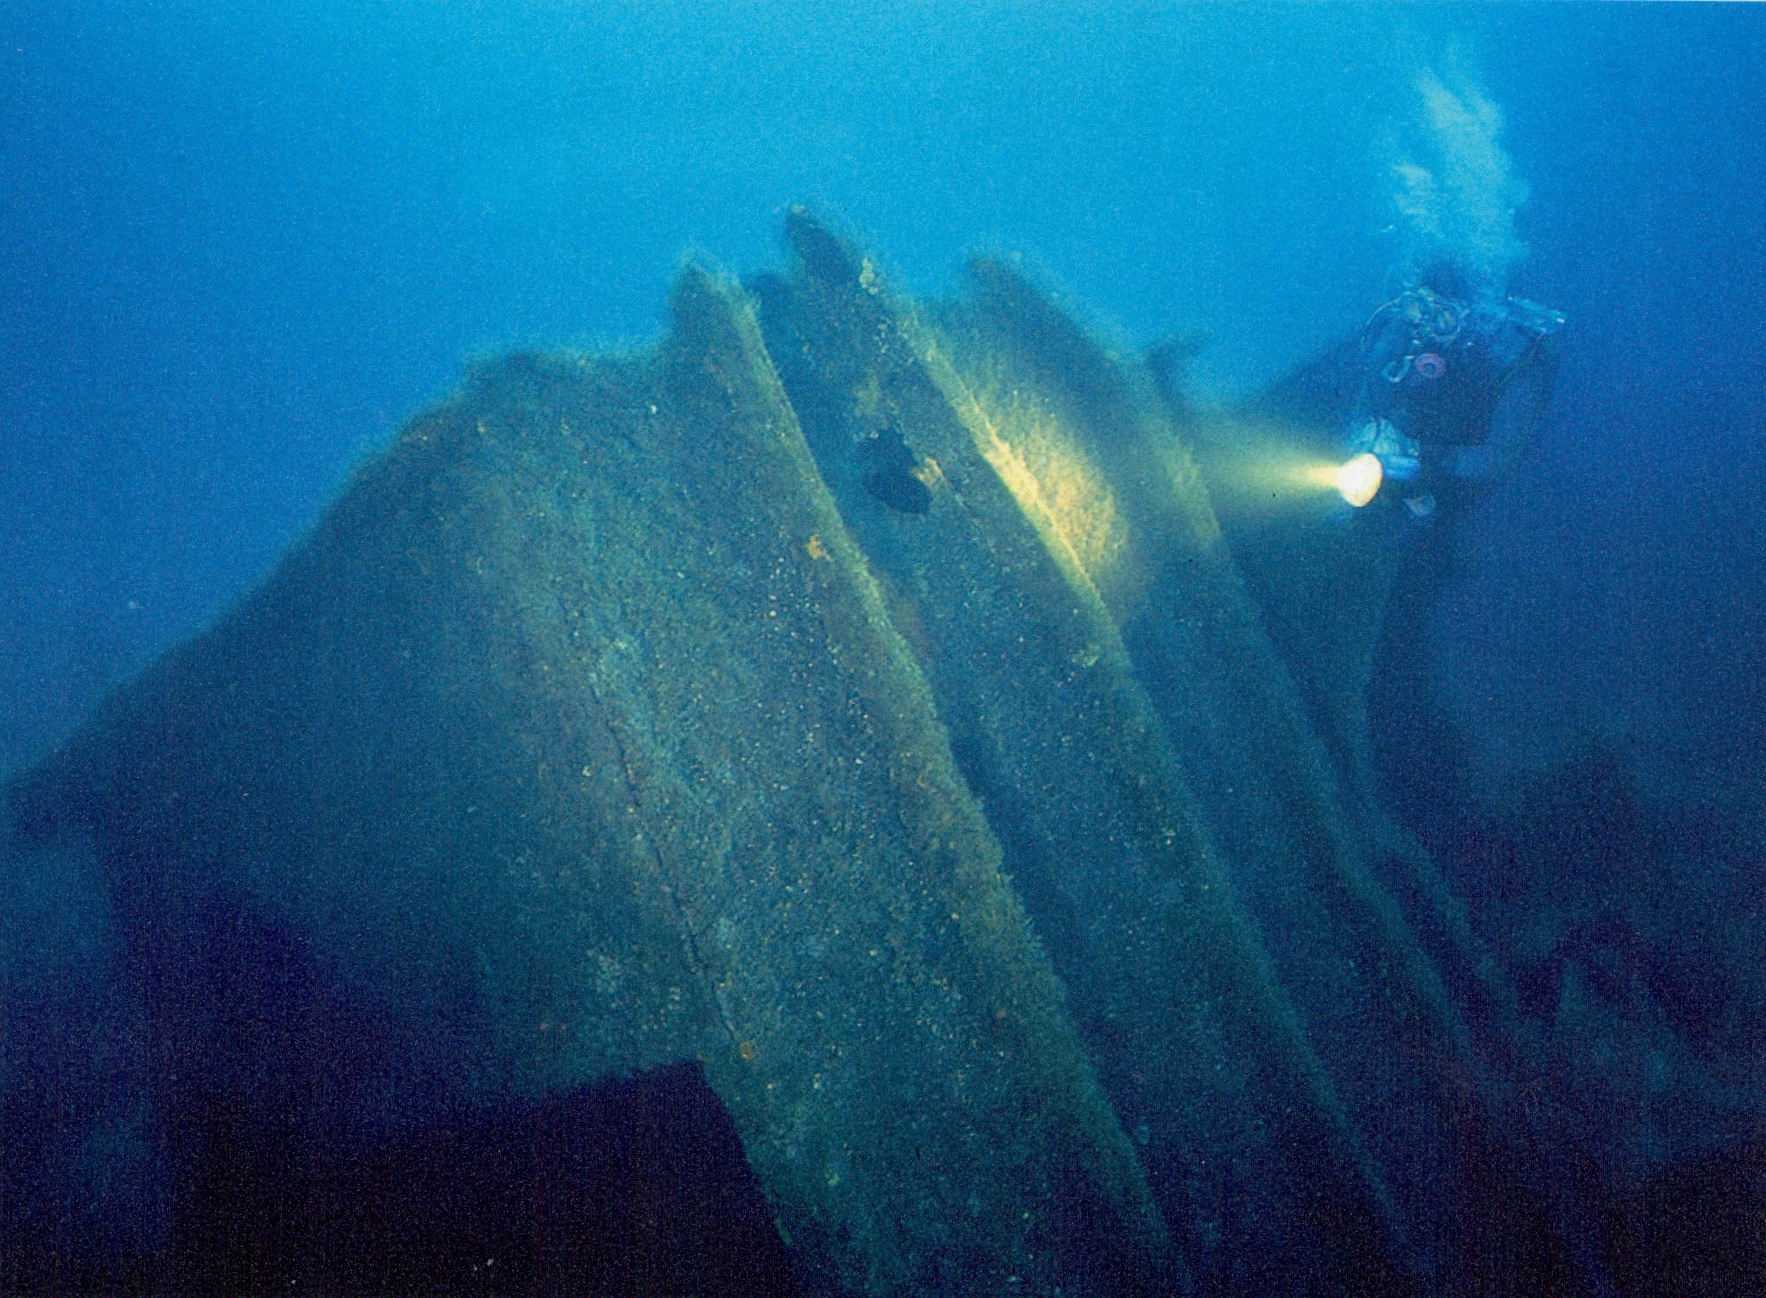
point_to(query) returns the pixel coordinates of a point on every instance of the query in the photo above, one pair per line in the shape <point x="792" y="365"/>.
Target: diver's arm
<point x="1520" y="413"/>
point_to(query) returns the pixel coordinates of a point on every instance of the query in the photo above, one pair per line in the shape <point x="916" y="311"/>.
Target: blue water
<point x="240" y="242"/>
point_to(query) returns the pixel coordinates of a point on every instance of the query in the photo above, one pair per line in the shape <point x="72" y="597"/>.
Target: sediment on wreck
<point x="871" y="705"/>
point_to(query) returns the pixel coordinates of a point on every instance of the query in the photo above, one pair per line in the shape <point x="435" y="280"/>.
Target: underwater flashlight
<point x="1359" y="480"/>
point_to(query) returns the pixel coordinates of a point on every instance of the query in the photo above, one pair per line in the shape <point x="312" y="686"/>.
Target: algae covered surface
<point x="880" y="710"/>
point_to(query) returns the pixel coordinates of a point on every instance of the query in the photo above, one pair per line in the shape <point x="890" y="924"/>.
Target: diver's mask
<point x="1434" y="320"/>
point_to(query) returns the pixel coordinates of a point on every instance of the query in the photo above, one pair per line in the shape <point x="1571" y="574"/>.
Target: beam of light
<point x="1357" y="481"/>
<point x="1264" y="469"/>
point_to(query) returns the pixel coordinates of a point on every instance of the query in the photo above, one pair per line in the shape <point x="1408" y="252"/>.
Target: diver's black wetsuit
<point x="1452" y="393"/>
<point x="1450" y="397"/>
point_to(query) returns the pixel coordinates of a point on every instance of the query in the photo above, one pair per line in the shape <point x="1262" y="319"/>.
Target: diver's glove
<point x="1400" y="456"/>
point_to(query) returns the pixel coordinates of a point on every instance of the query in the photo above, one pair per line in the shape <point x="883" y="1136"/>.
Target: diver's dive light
<point x="1359" y="480"/>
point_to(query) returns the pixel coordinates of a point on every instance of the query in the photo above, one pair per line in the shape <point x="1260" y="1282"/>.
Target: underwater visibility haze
<point x="922" y="648"/>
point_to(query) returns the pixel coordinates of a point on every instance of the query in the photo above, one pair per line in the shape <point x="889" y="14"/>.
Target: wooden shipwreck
<point x="868" y="704"/>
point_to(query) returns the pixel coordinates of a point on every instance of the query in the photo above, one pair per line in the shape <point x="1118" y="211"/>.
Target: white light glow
<point x="1359" y="480"/>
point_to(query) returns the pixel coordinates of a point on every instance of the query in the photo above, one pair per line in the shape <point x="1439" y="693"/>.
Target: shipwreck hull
<point x="863" y="704"/>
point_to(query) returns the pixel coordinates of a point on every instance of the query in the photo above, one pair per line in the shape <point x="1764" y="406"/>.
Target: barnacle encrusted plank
<point x="575" y="740"/>
<point x="908" y="715"/>
<point x="1004" y="582"/>
<point x="1394" y="1000"/>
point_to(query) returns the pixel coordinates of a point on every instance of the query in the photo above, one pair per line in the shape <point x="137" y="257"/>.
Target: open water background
<point x="243" y="241"/>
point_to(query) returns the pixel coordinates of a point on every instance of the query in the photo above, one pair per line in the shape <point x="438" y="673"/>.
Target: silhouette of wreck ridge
<point x="860" y="702"/>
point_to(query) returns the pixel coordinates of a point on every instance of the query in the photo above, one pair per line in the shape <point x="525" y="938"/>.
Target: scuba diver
<point x="1454" y="383"/>
<point x="1454" y="380"/>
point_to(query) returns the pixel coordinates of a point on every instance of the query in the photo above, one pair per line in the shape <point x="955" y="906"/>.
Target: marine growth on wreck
<point x="891" y="713"/>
